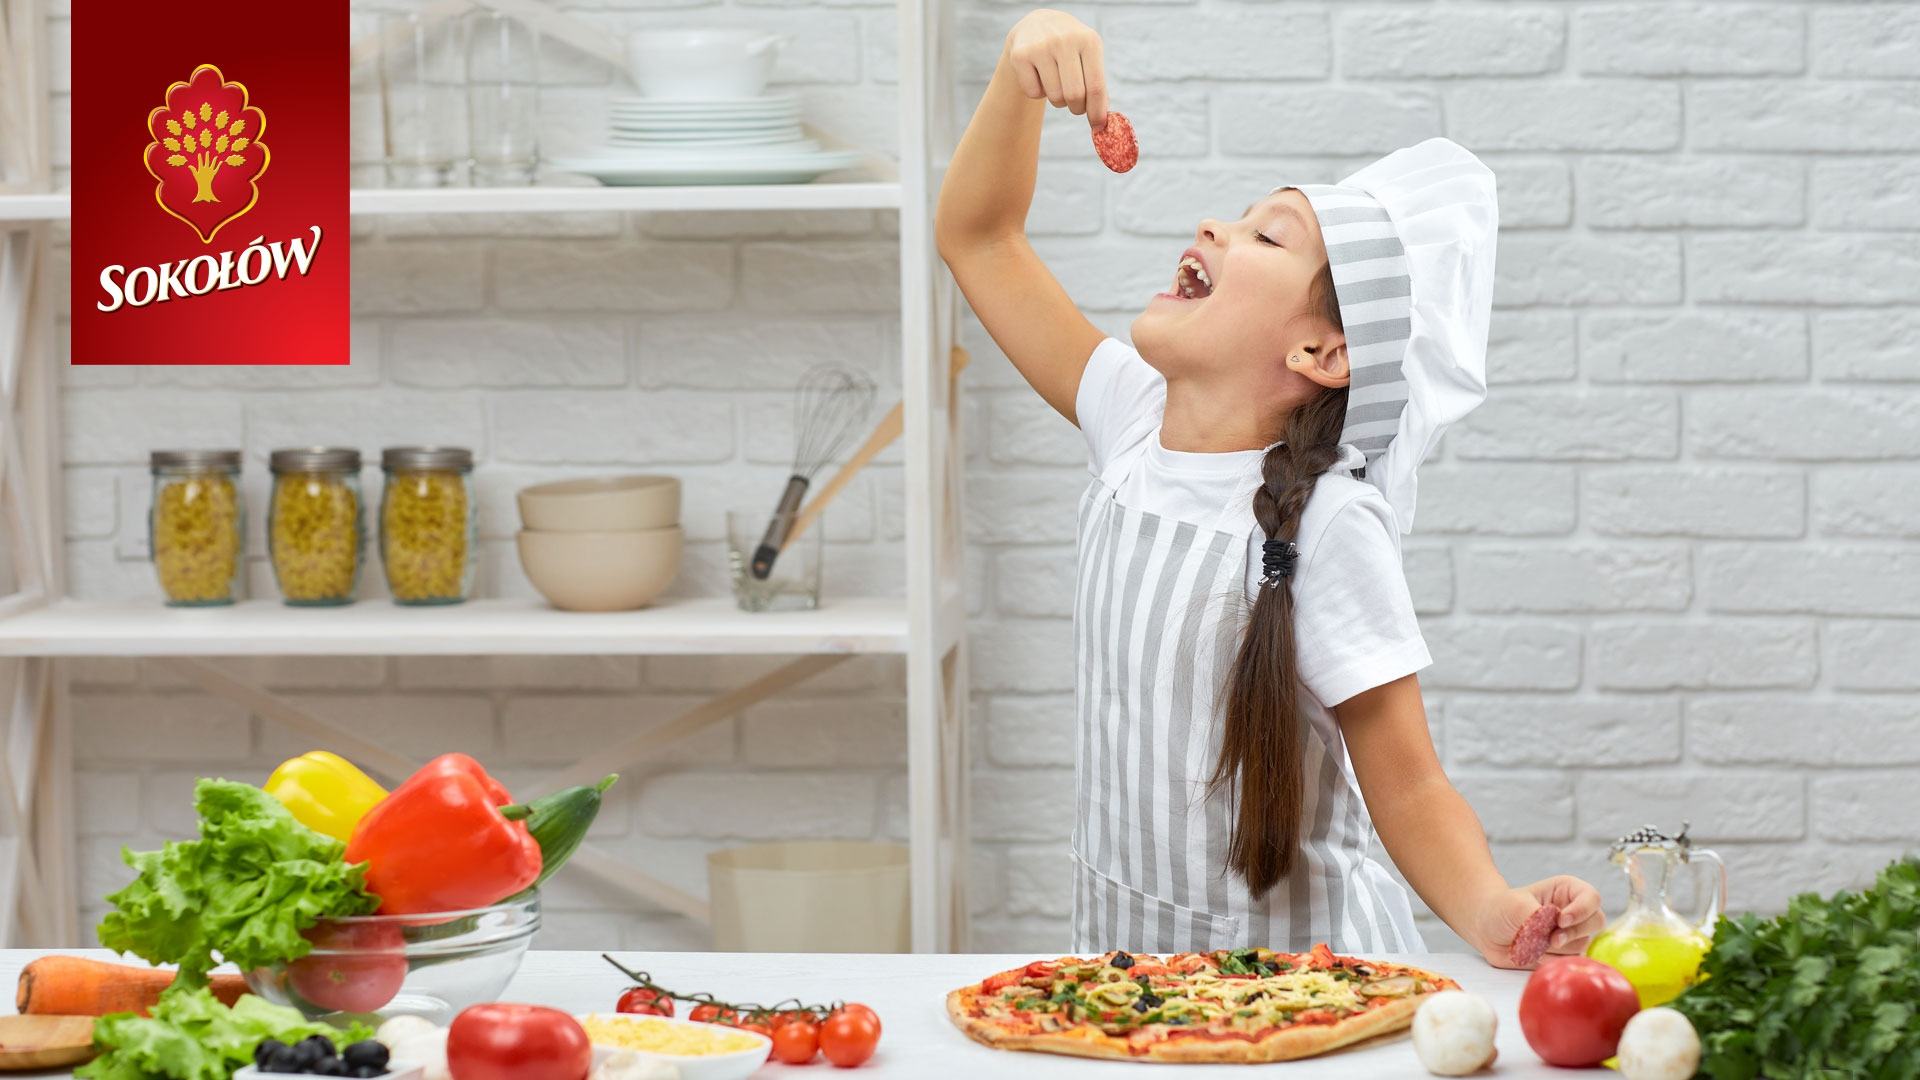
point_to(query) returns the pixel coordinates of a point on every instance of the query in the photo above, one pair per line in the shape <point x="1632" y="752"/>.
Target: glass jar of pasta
<point x="315" y="534"/>
<point x="428" y="524"/>
<point x="195" y="526"/>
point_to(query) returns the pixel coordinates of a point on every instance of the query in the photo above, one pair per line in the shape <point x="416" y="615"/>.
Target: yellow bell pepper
<point x="325" y="792"/>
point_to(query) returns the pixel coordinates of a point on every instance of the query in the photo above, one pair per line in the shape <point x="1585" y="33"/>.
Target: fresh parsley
<point x="1827" y="989"/>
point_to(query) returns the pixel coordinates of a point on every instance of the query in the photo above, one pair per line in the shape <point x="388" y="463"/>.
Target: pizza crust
<point x="1287" y="1044"/>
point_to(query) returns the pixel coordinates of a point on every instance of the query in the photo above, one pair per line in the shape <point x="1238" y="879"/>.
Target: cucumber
<point x="559" y="822"/>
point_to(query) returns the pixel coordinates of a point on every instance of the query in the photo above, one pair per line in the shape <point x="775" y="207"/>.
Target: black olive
<point x="283" y="1059"/>
<point x="1121" y="960"/>
<point x="265" y="1049"/>
<point x="331" y="1066"/>
<point x="314" y="1048"/>
<point x="366" y="1052"/>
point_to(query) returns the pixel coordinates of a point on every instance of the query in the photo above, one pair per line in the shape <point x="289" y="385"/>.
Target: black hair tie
<point x="1276" y="561"/>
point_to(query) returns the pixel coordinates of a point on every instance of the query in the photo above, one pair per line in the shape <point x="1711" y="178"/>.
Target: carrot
<point x="76" y="986"/>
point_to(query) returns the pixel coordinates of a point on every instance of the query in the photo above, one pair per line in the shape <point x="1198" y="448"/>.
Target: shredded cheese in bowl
<point x="677" y="1038"/>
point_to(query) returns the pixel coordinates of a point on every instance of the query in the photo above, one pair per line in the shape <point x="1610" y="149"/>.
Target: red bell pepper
<point x="441" y="841"/>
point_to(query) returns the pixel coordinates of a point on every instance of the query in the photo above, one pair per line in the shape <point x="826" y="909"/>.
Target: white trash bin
<point x="810" y="896"/>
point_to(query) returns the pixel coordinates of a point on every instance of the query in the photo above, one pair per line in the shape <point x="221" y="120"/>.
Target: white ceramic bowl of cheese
<point x="734" y="1065"/>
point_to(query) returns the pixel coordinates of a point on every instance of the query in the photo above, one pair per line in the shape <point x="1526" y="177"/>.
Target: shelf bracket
<point x="645" y="744"/>
<point x="268" y="706"/>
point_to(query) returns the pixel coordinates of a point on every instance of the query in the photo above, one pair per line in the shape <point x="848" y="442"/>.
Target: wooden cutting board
<point x="44" y="1042"/>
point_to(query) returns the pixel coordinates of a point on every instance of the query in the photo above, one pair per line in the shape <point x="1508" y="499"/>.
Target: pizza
<point x="1233" y="1005"/>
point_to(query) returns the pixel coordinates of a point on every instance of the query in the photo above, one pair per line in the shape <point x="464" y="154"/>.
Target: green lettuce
<point x="192" y="1036"/>
<point x="245" y="890"/>
<point x="1827" y="989"/>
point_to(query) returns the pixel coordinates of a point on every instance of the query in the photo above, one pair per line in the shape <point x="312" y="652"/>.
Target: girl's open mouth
<point x="1191" y="281"/>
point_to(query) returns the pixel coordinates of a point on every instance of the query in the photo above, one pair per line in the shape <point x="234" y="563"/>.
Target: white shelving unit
<point x="703" y="627"/>
<point x="40" y="625"/>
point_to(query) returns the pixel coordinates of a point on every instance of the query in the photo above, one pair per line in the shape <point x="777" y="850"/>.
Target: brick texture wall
<point x="1668" y="570"/>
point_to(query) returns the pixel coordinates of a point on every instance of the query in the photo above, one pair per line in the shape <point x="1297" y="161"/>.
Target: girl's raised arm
<point x="980" y="225"/>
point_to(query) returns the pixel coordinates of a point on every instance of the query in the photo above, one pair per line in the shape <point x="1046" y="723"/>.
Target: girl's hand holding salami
<point x="1057" y="57"/>
<point x="1557" y="915"/>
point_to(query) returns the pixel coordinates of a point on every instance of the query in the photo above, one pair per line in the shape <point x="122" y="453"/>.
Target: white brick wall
<point x="1667" y="571"/>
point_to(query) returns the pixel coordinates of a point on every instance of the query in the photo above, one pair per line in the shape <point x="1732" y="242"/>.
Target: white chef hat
<point x="1410" y="239"/>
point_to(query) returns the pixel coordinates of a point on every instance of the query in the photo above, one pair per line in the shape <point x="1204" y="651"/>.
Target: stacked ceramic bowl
<point x="601" y="544"/>
<point x="704" y="116"/>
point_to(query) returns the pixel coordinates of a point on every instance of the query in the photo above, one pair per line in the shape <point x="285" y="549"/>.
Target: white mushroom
<point x="398" y="1029"/>
<point x="427" y="1049"/>
<point x="1453" y="1033"/>
<point x="1659" y="1044"/>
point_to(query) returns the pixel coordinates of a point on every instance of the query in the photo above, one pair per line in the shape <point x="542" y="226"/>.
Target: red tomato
<point x="993" y="984"/>
<point x="848" y="1037"/>
<point x="517" y="1042"/>
<point x="646" y="1001"/>
<point x="856" y="1007"/>
<point x="1573" y="1009"/>
<point x="713" y="1014"/>
<point x="796" y="1041"/>
<point x="354" y="967"/>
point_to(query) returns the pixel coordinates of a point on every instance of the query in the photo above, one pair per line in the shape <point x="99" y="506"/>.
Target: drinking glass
<point x="503" y="99"/>
<point x="422" y="98"/>
<point x="794" y="584"/>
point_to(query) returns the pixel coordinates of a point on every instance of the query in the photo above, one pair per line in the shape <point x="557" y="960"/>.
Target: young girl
<point x="1249" y="714"/>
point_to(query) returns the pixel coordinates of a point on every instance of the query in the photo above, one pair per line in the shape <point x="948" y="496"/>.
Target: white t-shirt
<point x="1354" y="626"/>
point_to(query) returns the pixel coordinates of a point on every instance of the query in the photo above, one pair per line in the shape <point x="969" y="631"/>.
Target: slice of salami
<point x="1115" y="143"/>
<point x="1530" y="943"/>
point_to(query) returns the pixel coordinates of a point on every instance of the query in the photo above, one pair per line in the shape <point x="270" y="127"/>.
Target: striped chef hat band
<point x="1370" y="281"/>
<point x="1410" y="243"/>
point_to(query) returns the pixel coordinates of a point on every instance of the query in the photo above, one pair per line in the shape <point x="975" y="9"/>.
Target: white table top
<point x="909" y="993"/>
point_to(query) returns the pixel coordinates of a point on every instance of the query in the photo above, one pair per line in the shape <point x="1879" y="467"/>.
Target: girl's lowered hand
<point x="1502" y="916"/>
<point x="1058" y="57"/>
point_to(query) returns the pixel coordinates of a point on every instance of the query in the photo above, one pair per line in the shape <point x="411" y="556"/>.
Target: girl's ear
<point x="1322" y="359"/>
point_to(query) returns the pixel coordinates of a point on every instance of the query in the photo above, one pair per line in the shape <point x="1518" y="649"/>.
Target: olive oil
<point x="1655" y="947"/>
<point x="1659" y="960"/>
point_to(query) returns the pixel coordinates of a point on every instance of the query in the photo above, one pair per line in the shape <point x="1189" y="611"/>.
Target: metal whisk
<point x="827" y="404"/>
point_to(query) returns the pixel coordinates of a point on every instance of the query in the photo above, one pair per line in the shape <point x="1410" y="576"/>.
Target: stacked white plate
<point x="708" y="141"/>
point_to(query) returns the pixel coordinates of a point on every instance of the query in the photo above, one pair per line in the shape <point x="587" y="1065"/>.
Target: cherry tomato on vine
<point x="714" y="1014"/>
<point x="796" y="1040"/>
<point x="645" y="1001"/>
<point x="848" y="1038"/>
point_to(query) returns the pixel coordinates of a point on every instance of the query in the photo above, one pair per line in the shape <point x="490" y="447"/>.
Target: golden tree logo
<point x="203" y="154"/>
<point x="206" y="154"/>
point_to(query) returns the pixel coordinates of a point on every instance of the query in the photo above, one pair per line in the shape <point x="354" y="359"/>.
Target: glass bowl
<point x="431" y="964"/>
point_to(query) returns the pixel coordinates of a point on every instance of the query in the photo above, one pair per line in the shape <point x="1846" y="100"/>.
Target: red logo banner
<point x="205" y="218"/>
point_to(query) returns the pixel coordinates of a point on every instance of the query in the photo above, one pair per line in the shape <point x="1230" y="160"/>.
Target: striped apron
<point x="1158" y="612"/>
